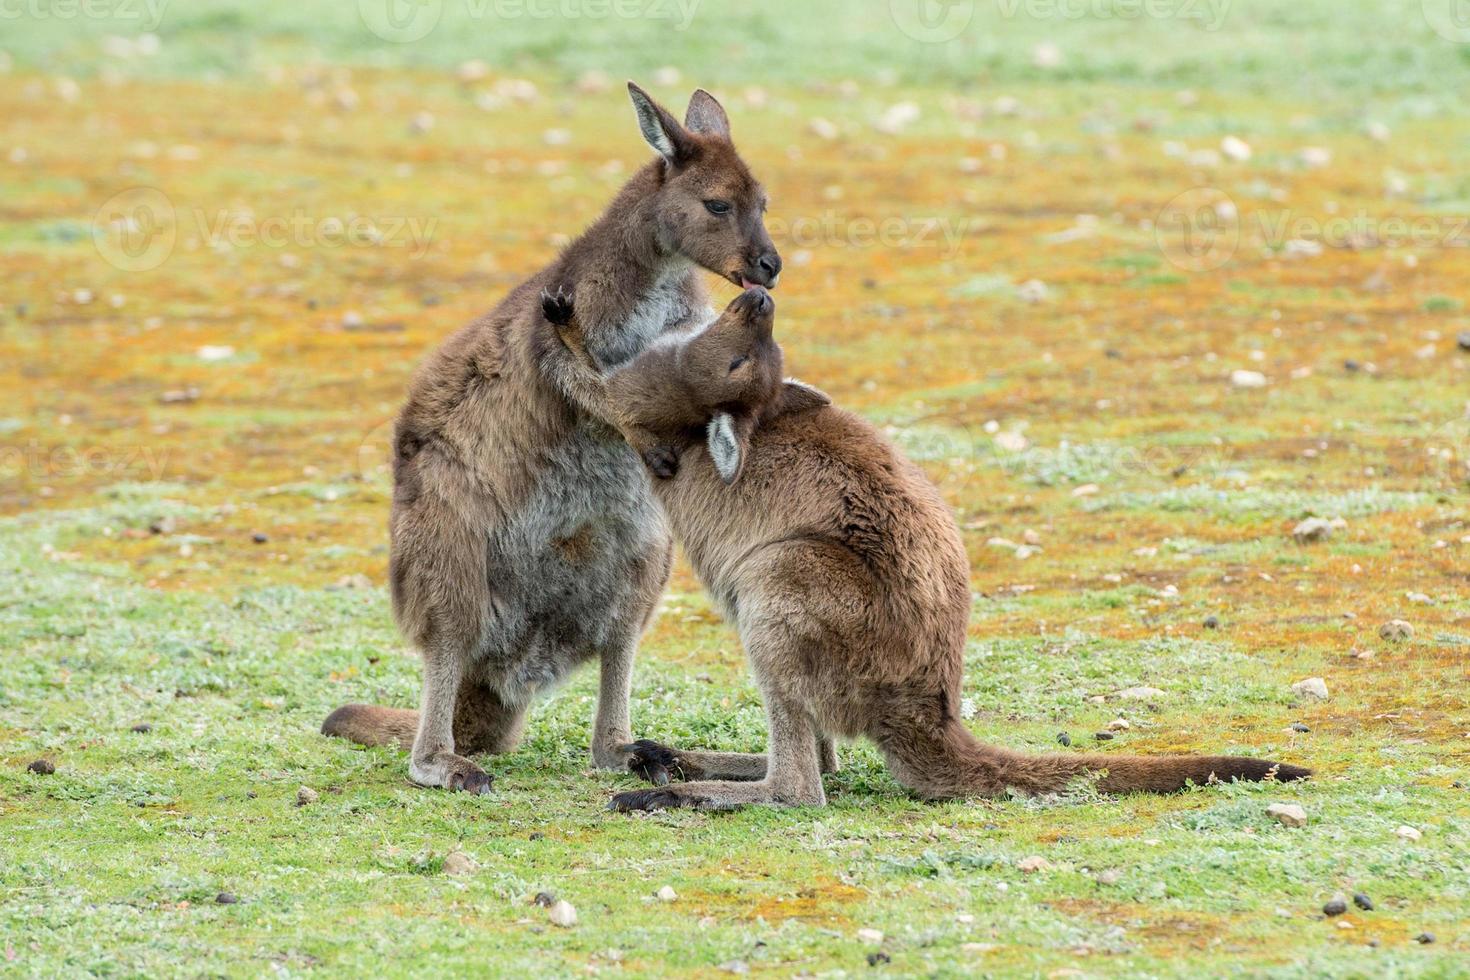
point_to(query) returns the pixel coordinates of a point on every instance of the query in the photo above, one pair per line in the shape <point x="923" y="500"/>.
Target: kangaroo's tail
<point x="371" y="724"/>
<point x="943" y="761"/>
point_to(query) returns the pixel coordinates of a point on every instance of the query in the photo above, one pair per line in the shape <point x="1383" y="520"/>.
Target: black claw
<point x="556" y="305"/>
<point x="477" y="783"/>
<point x="645" y="799"/>
<point x="663" y="461"/>
<point x="653" y="762"/>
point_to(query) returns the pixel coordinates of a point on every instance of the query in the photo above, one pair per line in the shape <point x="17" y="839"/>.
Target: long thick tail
<point x="945" y="761"/>
<point x="371" y="724"/>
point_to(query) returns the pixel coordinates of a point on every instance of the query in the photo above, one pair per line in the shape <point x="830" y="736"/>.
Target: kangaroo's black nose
<point x="770" y="264"/>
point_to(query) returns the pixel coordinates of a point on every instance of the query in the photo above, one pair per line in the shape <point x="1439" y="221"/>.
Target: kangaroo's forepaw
<point x="656" y="763"/>
<point x="556" y="305"/>
<point x="663" y="461"/>
<point x="647" y="800"/>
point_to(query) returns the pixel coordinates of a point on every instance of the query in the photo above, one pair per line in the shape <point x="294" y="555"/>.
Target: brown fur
<point x="524" y="538"/>
<point x="845" y="574"/>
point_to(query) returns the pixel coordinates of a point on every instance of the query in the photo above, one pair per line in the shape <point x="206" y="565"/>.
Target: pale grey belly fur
<point x="551" y="610"/>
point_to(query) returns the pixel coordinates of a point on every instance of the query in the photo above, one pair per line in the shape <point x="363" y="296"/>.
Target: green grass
<point x="113" y="863"/>
<point x="1316" y="49"/>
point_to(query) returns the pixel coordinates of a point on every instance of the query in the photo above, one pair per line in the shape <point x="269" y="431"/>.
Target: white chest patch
<point x="665" y="304"/>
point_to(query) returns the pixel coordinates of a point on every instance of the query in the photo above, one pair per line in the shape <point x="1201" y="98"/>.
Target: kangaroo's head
<point x="736" y="361"/>
<point x="735" y="366"/>
<point x="709" y="208"/>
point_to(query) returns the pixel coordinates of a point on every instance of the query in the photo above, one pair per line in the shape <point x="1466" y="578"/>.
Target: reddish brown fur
<point x="845" y="574"/>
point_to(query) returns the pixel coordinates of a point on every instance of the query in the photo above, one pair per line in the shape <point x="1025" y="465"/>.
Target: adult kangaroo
<point x="525" y="538"/>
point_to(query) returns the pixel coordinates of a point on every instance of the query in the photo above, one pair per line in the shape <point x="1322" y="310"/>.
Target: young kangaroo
<point x="524" y="537"/>
<point x="842" y="570"/>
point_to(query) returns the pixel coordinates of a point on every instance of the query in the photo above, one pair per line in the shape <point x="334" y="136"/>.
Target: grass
<point x="155" y="420"/>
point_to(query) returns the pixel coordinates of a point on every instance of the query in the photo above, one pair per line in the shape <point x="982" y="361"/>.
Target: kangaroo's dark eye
<point x="717" y="207"/>
<point x="739" y="361"/>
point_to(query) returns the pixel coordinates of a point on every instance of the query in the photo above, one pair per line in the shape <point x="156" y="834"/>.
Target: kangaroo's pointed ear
<point x="706" y="115"/>
<point x="728" y="441"/>
<point x="798" y="396"/>
<point x="660" y="128"/>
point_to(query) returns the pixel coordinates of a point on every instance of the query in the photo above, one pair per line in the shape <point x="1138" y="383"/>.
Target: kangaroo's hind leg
<point x="793" y="775"/>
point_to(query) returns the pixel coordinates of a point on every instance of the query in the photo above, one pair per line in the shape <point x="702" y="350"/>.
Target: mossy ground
<point x="1101" y="418"/>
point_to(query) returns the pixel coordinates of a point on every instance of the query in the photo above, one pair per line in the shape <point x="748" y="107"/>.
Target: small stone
<point x="225" y="898"/>
<point x="544" y="899"/>
<point x="164" y="525"/>
<point x="1032" y="291"/>
<point x="1297" y="726"/>
<point x="562" y="914"/>
<point x="42" y="767"/>
<point x="1424" y="938"/>
<point x="870" y="936"/>
<point x="1212" y="622"/>
<point x="1103" y="736"/>
<point x="879" y="957"/>
<point x="357" y="580"/>
<point x="824" y="129"/>
<point x="1463" y="340"/>
<point x="1033" y="864"/>
<point x="1312" y="529"/>
<point x="1287" y="814"/>
<point x="1396" y="631"/>
<point x="735" y="966"/>
<point x="1064" y="738"/>
<point x="1247" y="379"/>
<point x="1407" y="833"/>
<point x="1110" y="877"/>
<point x="1337" y="905"/>
<point x="142" y="728"/>
<point x="1362" y="901"/>
<point x="459" y="863"/>
<point x="667" y="894"/>
<point x="306" y="796"/>
<point x="537" y="835"/>
<point x="1119" y="725"/>
<point x="259" y="537"/>
<point x="1235" y="148"/>
<point x="1313" y="689"/>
